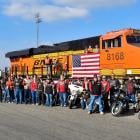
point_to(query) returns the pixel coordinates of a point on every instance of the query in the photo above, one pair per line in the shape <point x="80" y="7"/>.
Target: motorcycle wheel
<point x="139" y="115"/>
<point x="70" y="104"/>
<point x="116" y="108"/>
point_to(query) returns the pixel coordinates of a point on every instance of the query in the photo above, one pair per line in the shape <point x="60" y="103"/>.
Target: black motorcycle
<point x="139" y="115"/>
<point x="120" y="102"/>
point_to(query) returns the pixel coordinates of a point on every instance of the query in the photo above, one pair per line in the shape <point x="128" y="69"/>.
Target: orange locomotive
<point x="119" y="54"/>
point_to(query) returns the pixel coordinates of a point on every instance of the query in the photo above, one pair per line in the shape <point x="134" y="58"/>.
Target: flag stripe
<point x="90" y="60"/>
<point x="86" y="68"/>
<point x="90" y="63"/>
<point x="90" y="55"/>
<point x="89" y="72"/>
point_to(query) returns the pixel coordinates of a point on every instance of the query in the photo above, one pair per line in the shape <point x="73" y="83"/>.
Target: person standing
<point x="3" y="86"/>
<point x="19" y="87"/>
<point x="0" y="91"/>
<point x="114" y="85"/>
<point x="48" y="63"/>
<point x="95" y="95"/>
<point x="55" y="63"/>
<point x="65" y="70"/>
<point x="62" y="88"/>
<point x="40" y="91"/>
<point x="130" y="89"/>
<point x="105" y="92"/>
<point x="85" y="95"/>
<point x="49" y="92"/>
<point x="27" y="91"/>
<point x="33" y="88"/>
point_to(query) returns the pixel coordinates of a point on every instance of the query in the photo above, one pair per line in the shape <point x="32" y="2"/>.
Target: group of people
<point x="34" y="90"/>
<point x="102" y="89"/>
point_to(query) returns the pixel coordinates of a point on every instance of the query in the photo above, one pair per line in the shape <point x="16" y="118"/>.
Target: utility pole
<point x="38" y="20"/>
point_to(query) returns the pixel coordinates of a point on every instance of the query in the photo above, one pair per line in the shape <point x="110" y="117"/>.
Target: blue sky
<point x="62" y="20"/>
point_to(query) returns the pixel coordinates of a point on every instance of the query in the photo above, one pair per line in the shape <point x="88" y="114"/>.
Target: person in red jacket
<point x="10" y="90"/>
<point x="33" y="87"/>
<point x="105" y="92"/>
<point x="62" y="88"/>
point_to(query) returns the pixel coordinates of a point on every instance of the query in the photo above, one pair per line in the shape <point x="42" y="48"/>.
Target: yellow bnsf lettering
<point x="39" y="62"/>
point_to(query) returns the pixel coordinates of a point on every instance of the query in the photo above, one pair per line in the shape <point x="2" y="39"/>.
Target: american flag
<point x="85" y="65"/>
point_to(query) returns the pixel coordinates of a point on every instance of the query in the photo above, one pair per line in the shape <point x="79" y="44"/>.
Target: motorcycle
<point x="139" y="115"/>
<point x="75" y="95"/>
<point x="120" y="102"/>
<point x="138" y="101"/>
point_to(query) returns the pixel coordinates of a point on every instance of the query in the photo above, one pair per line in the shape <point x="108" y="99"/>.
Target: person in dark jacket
<point x="27" y="91"/>
<point x="95" y="91"/>
<point x="19" y="87"/>
<point x="48" y="86"/>
<point x="40" y="92"/>
<point x="85" y="94"/>
<point x="114" y="85"/>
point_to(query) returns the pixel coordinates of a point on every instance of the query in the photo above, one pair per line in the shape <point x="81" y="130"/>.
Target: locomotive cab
<point x="120" y="52"/>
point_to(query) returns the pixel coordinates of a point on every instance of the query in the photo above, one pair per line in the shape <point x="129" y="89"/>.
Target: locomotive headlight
<point x="116" y="95"/>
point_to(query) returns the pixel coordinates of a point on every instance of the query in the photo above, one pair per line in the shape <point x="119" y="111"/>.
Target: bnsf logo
<point x="39" y="62"/>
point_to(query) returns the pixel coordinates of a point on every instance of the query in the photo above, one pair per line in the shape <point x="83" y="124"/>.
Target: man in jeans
<point x="130" y="88"/>
<point x="105" y="92"/>
<point x="33" y="87"/>
<point x="27" y="92"/>
<point x="49" y="92"/>
<point x="62" y="87"/>
<point x="19" y="87"/>
<point x="95" y="91"/>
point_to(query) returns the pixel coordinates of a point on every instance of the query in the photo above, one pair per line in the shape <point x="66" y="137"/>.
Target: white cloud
<point x="93" y="3"/>
<point x="27" y="9"/>
<point x="51" y="10"/>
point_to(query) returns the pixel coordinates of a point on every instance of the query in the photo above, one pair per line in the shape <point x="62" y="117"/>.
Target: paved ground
<point x="28" y="122"/>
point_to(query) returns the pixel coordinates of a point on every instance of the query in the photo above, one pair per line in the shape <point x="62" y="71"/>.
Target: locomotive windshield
<point x="133" y="39"/>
